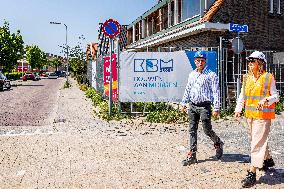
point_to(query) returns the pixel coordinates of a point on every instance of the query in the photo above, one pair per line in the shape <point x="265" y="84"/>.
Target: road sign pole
<point x="110" y="79"/>
<point x="239" y="69"/>
<point x="111" y="29"/>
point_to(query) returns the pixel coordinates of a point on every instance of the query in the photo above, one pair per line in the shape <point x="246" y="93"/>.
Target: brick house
<point x="173" y="25"/>
<point x="192" y="23"/>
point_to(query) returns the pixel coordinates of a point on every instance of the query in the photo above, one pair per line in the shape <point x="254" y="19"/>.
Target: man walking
<point x="202" y="89"/>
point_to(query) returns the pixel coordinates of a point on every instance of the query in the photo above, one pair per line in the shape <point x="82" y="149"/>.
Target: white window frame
<point x="206" y="4"/>
<point x="279" y="7"/>
<point x="271" y="6"/>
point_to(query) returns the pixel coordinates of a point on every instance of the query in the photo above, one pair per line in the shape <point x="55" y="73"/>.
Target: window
<point x="271" y="6"/>
<point x="279" y="7"/>
<point x="210" y="3"/>
<point x="190" y="8"/>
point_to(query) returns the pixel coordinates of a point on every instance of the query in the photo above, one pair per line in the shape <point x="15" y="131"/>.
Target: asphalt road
<point x="31" y="103"/>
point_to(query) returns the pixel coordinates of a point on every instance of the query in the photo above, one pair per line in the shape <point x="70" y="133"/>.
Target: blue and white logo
<point x="153" y="65"/>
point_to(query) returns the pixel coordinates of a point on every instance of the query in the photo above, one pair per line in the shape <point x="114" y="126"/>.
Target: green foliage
<point x="104" y="114"/>
<point x="229" y="111"/>
<point x="147" y="107"/>
<point x="82" y="79"/>
<point x="66" y="85"/>
<point x="160" y="112"/>
<point x="167" y="116"/>
<point x="11" y="47"/>
<point x="102" y="105"/>
<point x="35" y="56"/>
<point x="280" y="105"/>
<point x="14" y="75"/>
<point x="94" y="96"/>
<point x="77" y="57"/>
<point x="56" y="62"/>
<point x="83" y="87"/>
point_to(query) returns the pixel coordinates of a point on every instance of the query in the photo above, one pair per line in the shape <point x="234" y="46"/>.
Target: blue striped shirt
<point x="202" y="87"/>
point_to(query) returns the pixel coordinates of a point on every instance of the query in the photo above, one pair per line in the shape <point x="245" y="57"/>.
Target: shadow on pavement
<point x="241" y="158"/>
<point x="205" y="160"/>
<point x="272" y="177"/>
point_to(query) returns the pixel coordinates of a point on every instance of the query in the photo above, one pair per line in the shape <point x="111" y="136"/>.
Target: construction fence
<point x="231" y="67"/>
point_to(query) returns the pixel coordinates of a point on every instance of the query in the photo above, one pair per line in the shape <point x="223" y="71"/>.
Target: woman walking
<point x="258" y="96"/>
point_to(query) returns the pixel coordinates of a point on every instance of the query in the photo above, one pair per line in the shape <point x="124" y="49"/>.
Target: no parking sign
<point x="111" y="28"/>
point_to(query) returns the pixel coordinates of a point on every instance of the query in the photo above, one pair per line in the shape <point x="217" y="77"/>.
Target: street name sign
<point x="238" y="27"/>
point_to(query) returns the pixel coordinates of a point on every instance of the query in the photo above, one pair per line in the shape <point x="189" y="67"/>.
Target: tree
<point x="35" y="56"/>
<point x="77" y="58"/>
<point x="56" y="62"/>
<point x="11" y="47"/>
<point x="44" y="61"/>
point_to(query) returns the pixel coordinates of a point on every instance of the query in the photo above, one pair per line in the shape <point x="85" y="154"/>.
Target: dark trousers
<point x="196" y="112"/>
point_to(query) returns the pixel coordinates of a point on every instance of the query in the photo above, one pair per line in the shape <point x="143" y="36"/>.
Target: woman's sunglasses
<point x="252" y="60"/>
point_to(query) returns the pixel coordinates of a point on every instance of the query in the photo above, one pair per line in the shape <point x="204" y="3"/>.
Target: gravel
<point x="78" y="150"/>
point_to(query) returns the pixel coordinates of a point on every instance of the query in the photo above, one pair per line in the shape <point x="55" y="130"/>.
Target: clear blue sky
<point x="82" y="17"/>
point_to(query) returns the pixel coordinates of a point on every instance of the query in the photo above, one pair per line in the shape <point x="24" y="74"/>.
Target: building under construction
<point x="173" y="25"/>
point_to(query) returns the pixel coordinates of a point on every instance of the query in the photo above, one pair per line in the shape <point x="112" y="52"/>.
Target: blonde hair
<point x="261" y="69"/>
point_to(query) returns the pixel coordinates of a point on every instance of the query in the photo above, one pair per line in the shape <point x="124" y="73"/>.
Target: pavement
<point x="78" y="150"/>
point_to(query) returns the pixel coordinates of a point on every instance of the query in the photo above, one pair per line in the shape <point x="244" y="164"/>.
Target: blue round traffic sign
<point x="111" y="28"/>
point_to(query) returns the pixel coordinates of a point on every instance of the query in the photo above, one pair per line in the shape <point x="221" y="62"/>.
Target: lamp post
<point x="66" y="47"/>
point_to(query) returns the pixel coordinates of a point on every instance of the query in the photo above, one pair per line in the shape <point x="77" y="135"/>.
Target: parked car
<point x="60" y="73"/>
<point x="29" y="76"/>
<point x="4" y="82"/>
<point x="43" y="74"/>
<point x="37" y="77"/>
<point x="52" y="76"/>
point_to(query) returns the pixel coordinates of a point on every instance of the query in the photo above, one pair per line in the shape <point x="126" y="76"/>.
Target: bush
<point x="280" y="105"/>
<point x="94" y="96"/>
<point x="82" y="79"/>
<point x="147" y="107"/>
<point x="14" y="75"/>
<point x="66" y="85"/>
<point x="103" y="106"/>
<point x="167" y="116"/>
<point x="229" y="111"/>
<point x="83" y="87"/>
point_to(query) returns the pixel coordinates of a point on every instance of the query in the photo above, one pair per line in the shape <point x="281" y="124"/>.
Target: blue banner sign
<point x="238" y="28"/>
